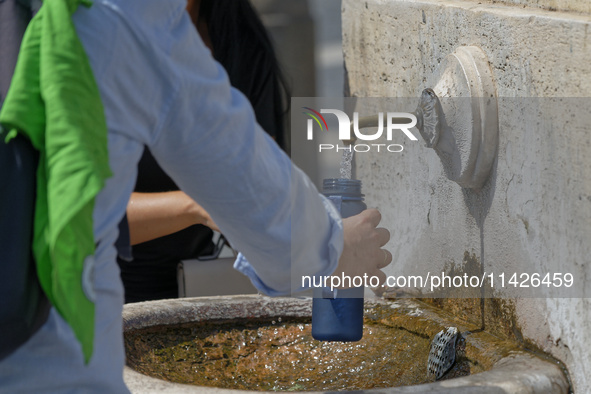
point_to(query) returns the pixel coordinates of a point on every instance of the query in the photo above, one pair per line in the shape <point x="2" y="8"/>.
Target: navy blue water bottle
<point x="337" y="315"/>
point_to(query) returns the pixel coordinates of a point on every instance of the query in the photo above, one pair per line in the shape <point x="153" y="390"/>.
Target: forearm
<point x="268" y="209"/>
<point x="207" y="141"/>
<point x="154" y="215"/>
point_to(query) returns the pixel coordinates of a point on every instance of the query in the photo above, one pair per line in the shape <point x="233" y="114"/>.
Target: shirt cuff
<point x="333" y="247"/>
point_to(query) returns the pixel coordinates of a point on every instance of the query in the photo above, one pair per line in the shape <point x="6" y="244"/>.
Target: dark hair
<point x="242" y="46"/>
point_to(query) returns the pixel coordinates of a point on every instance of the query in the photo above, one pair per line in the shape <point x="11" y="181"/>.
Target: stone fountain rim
<point x="518" y="372"/>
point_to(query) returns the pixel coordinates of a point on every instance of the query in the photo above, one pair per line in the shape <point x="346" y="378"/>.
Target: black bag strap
<point x="23" y="304"/>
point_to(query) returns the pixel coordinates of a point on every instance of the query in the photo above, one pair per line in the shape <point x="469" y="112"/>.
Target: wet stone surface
<point x="281" y="355"/>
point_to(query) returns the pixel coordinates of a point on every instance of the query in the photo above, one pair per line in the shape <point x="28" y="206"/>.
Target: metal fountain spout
<point x="458" y="118"/>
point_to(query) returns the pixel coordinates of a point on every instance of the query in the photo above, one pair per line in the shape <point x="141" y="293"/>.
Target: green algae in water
<point x="278" y="355"/>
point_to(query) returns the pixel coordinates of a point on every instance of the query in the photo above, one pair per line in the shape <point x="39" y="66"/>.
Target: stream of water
<point x="346" y="162"/>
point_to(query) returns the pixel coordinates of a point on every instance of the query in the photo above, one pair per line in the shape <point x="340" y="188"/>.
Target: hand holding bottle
<point x="362" y="252"/>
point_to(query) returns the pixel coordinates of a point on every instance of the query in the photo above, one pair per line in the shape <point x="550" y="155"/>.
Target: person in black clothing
<point x="165" y="225"/>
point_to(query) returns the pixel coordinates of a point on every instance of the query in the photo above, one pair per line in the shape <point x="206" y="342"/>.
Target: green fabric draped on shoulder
<point x="54" y="100"/>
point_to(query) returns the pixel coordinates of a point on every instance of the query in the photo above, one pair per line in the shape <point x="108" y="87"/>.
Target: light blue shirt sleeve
<point x="161" y="87"/>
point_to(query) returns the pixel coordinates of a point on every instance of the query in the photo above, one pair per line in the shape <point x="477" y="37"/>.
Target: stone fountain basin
<point x="507" y="368"/>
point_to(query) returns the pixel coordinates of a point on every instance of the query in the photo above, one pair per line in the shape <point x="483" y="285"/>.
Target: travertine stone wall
<point x="535" y="213"/>
<point x="581" y="6"/>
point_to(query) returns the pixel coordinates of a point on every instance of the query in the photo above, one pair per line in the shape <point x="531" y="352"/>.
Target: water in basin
<point x="279" y="354"/>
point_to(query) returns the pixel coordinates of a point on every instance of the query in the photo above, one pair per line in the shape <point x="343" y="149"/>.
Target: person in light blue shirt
<point x="161" y="88"/>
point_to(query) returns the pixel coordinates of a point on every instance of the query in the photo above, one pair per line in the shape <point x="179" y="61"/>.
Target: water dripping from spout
<point x="346" y="162"/>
